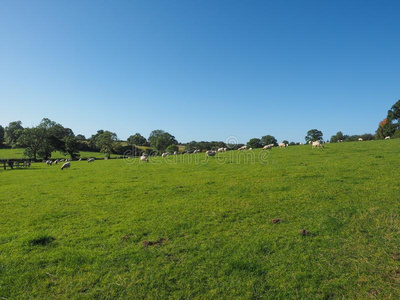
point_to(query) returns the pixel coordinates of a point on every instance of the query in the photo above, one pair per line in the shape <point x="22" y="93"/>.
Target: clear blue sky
<point x="201" y="70"/>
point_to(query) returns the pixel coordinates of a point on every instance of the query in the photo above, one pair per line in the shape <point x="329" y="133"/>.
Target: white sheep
<point x="266" y="147"/>
<point x="360" y="139"/>
<point x="317" y="144"/>
<point x="144" y="157"/>
<point x="66" y="165"/>
<point x="387" y="138"/>
<point x="211" y="153"/>
<point x="282" y="145"/>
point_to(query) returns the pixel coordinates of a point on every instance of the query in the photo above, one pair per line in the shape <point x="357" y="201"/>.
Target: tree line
<point x="42" y="140"/>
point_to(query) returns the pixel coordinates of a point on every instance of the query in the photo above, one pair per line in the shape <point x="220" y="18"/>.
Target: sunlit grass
<point x="202" y="229"/>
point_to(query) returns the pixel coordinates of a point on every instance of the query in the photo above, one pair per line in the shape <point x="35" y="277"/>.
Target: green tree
<point x="393" y="115"/>
<point x="286" y="142"/>
<point x="137" y="139"/>
<point x="338" y="136"/>
<point x="314" y="135"/>
<point x="385" y="128"/>
<point x="71" y="147"/>
<point x="268" y="140"/>
<point x="254" y="143"/>
<point x="80" y="137"/>
<point x="54" y="137"/>
<point x="1" y="135"/>
<point x="32" y="139"/>
<point x="172" y="148"/>
<point x="12" y="133"/>
<point x="160" y="140"/>
<point x="106" y="141"/>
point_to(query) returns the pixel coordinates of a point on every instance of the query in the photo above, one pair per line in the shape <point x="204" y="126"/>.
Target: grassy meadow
<point x="184" y="227"/>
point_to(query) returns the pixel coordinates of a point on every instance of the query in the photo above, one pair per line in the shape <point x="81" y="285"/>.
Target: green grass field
<point x="203" y="230"/>
<point x="19" y="153"/>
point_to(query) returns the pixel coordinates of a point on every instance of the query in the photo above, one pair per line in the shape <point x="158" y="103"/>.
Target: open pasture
<point x="203" y="229"/>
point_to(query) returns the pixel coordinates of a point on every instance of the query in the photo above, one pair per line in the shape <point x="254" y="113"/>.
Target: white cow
<point x="144" y="157"/>
<point x="165" y="154"/>
<point x="360" y="139"/>
<point x="387" y="138"/>
<point x="49" y="162"/>
<point x="242" y="148"/>
<point x="221" y="149"/>
<point x="90" y="160"/>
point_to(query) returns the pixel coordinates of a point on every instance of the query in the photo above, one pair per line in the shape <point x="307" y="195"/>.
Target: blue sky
<point x="201" y="70"/>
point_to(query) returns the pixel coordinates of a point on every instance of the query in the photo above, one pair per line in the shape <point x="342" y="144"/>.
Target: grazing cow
<point x="282" y="145"/>
<point x="360" y="139"/>
<point x="221" y="150"/>
<point x="164" y="154"/>
<point x="225" y="149"/>
<point x="317" y="144"/>
<point x="90" y="160"/>
<point x="66" y="165"/>
<point x="49" y="162"/>
<point x="387" y="138"/>
<point x="211" y="153"/>
<point x="144" y="157"/>
<point x="242" y="148"/>
<point x="175" y="152"/>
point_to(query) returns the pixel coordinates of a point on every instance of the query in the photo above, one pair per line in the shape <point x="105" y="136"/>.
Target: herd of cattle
<point x="145" y="157"/>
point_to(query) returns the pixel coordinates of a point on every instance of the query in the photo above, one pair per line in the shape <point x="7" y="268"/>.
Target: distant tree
<point x="385" y="128"/>
<point x="105" y="142"/>
<point x="338" y="136"/>
<point x="314" y="135"/>
<point x="160" y="140"/>
<point x="33" y="140"/>
<point x="292" y="144"/>
<point x="254" y="143"/>
<point x="393" y="115"/>
<point x="80" y="137"/>
<point x="367" y="137"/>
<point x="92" y="139"/>
<point x="269" y="139"/>
<point x="1" y="135"/>
<point x="54" y="137"/>
<point x="71" y="146"/>
<point x="12" y="133"/>
<point x="172" y="148"/>
<point x="286" y="142"/>
<point x="137" y="139"/>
